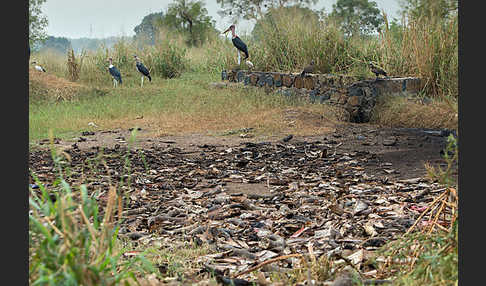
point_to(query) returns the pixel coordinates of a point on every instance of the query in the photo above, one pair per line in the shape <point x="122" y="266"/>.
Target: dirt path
<point x="398" y="153"/>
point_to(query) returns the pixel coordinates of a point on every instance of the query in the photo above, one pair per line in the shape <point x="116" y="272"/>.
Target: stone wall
<point x="358" y="97"/>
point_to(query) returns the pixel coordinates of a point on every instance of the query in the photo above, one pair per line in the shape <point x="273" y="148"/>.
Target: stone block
<point x="299" y="82"/>
<point x="269" y="80"/>
<point x="342" y="99"/>
<point x="354" y="101"/>
<point x="288" y="80"/>
<point x="261" y="79"/>
<point x="414" y="85"/>
<point x="240" y="76"/>
<point x="323" y="98"/>
<point x="277" y="79"/>
<point x="253" y="79"/>
<point x="247" y="80"/>
<point x="309" y="82"/>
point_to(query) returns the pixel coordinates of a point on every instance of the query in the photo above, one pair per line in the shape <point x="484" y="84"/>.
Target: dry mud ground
<point x="398" y="153"/>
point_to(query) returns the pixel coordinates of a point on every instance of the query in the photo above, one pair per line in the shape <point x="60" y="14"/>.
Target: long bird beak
<point x="227" y="30"/>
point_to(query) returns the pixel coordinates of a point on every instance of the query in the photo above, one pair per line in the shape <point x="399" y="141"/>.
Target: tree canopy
<point x="357" y="17"/>
<point x="190" y="17"/>
<point x="429" y="8"/>
<point x="145" y="31"/>
<point x="37" y="22"/>
<point x="254" y="9"/>
<point x="187" y="17"/>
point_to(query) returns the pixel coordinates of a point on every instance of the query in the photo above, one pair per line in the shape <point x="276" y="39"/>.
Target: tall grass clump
<point x="167" y="60"/>
<point x="214" y="55"/>
<point x="427" y="254"/>
<point x="426" y="47"/>
<point x="74" y="65"/>
<point x="72" y="241"/>
<point x="288" y="39"/>
<point x="167" y="57"/>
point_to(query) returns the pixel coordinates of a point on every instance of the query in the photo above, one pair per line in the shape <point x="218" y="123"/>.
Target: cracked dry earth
<point x="346" y="192"/>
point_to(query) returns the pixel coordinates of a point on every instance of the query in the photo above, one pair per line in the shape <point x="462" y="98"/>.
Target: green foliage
<point x="190" y="18"/>
<point x="426" y="47"/>
<point x="451" y="155"/>
<point x="440" y="9"/>
<point x="145" y="32"/>
<point x="291" y="38"/>
<point x="37" y="22"/>
<point x="357" y="17"/>
<point x="167" y="60"/>
<point x="254" y="9"/>
<point x="72" y="241"/>
<point x="435" y="258"/>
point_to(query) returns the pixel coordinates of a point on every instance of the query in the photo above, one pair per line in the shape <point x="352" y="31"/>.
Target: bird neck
<point x="233" y="34"/>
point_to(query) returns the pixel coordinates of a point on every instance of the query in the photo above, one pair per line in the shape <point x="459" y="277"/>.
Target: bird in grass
<point x="115" y="73"/>
<point x="308" y="69"/>
<point x="38" y="67"/>
<point x="240" y="46"/>
<point x="142" y="69"/>
<point x="377" y="71"/>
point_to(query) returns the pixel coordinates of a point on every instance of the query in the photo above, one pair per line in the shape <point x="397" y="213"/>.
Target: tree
<point x="429" y="8"/>
<point x="37" y="22"/>
<point x="254" y="9"/>
<point x="357" y="17"/>
<point x="269" y="19"/>
<point x="145" y="31"/>
<point x="190" y="17"/>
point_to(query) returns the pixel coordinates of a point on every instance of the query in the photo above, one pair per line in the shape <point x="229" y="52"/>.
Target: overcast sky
<point x="104" y="18"/>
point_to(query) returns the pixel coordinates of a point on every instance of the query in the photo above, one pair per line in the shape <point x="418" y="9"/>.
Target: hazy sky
<point x="104" y="18"/>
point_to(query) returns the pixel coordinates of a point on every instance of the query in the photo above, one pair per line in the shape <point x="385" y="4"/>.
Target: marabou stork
<point x="308" y="69"/>
<point x="115" y="73"/>
<point x="38" y="67"/>
<point x="240" y="45"/>
<point x="377" y="71"/>
<point x="142" y="69"/>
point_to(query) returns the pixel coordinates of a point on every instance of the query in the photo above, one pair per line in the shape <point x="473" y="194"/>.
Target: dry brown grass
<point x="402" y="112"/>
<point x="300" y="121"/>
<point x="53" y="86"/>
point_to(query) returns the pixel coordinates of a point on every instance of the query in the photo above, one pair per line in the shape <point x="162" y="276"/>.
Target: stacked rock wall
<point x="358" y="97"/>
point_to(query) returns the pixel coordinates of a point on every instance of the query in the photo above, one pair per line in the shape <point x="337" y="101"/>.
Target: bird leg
<point x="142" y="82"/>
<point x="114" y="82"/>
<point x="239" y="57"/>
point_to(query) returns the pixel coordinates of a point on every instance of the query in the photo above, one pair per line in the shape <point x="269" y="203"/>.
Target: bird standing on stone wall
<point x="142" y="69"/>
<point x="377" y="71"/>
<point x="240" y="46"/>
<point x="308" y="69"/>
<point x="115" y="73"/>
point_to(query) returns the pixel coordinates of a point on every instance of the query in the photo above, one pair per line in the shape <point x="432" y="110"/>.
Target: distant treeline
<point x="62" y="44"/>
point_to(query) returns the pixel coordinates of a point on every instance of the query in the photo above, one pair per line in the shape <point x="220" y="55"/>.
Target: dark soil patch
<point x="395" y="153"/>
